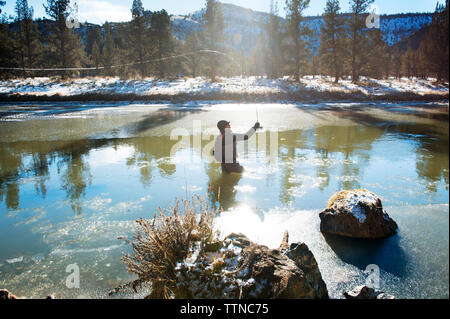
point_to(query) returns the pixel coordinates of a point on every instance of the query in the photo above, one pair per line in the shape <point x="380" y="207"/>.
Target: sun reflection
<point x="262" y="228"/>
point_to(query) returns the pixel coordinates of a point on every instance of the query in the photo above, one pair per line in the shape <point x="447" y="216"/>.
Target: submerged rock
<point x="358" y="214"/>
<point x="242" y="269"/>
<point x="364" y="292"/>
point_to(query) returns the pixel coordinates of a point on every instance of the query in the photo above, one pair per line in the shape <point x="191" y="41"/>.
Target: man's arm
<point x="249" y="134"/>
<point x="246" y="136"/>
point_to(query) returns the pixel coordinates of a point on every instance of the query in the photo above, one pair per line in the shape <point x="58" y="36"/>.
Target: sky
<point x="99" y="11"/>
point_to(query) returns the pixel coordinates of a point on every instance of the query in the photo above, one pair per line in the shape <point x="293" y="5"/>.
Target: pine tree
<point x="138" y="37"/>
<point x="162" y="38"/>
<point x="295" y="29"/>
<point x="445" y="49"/>
<point x="375" y="56"/>
<point x="192" y="46"/>
<point x="109" y="52"/>
<point x="358" y="40"/>
<point x="315" y="65"/>
<point x="332" y="44"/>
<point x="259" y="58"/>
<point x="94" y="43"/>
<point x="94" y="34"/>
<point x="421" y="60"/>
<point x="434" y="48"/>
<point x="396" y="58"/>
<point x="63" y="41"/>
<point x="7" y="57"/>
<point x="27" y="34"/>
<point x="213" y="32"/>
<point x="409" y="62"/>
<point x="124" y="54"/>
<point x="95" y="54"/>
<point x="242" y="59"/>
<point x="275" y="38"/>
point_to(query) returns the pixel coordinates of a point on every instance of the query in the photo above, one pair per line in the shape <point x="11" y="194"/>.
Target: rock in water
<point x="364" y="292"/>
<point x="358" y="214"/>
<point x="242" y="269"/>
<point x="6" y="295"/>
<point x="304" y="259"/>
<point x="289" y="272"/>
<point x="275" y="275"/>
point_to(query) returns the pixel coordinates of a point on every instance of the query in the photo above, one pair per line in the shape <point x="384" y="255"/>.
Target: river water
<point x="75" y="177"/>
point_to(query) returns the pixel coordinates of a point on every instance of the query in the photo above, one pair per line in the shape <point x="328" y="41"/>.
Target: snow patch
<point x="232" y="85"/>
<point x="356" y="201"/>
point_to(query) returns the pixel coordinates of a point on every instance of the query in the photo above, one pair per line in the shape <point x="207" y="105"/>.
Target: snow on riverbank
<point x="45" y="86"/>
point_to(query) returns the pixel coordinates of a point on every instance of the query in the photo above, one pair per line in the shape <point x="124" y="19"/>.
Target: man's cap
<point x="222" y="125"/>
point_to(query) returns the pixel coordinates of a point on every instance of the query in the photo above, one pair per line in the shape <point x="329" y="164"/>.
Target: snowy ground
<point x="45" y="86"/>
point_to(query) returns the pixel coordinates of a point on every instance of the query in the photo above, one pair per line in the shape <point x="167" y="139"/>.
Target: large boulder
<point x="6" y="295"/>
<point x="364" y="292"/>
<point x="305" y="260"/>
<point x="275" y="275"/>
<point x="357" y="213"/>
<point x="243" y="269"/>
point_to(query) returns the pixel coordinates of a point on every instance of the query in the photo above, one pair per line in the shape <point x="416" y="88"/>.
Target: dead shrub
<point x="159" y="244"/>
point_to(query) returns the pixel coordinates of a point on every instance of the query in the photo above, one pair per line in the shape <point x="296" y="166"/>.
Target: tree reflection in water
<point x="327" y="152"/>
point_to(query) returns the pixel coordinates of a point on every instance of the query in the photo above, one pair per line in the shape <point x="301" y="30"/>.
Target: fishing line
<point x="123" y="65"/>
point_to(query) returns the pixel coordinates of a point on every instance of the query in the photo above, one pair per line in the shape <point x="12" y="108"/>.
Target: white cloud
<point x="99" y="11"/>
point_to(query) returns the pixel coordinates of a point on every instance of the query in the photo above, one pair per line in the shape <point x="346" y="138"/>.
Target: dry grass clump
<point x="164" y="241"/>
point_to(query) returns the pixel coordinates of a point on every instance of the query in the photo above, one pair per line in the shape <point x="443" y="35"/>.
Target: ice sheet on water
<point x="192" y="188"/>
<point x="15" y="260"/>
<point x="60" y="251"/>
<point x="245" y="189"/>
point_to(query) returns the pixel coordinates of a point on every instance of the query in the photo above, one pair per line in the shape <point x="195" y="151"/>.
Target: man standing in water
<point x="225" y="146"/>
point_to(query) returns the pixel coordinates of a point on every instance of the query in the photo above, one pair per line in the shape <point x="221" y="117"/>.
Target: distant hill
<point x="244" y="25"/>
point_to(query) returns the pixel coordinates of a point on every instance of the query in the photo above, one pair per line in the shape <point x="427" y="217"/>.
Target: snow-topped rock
<point x="358" y="214"/>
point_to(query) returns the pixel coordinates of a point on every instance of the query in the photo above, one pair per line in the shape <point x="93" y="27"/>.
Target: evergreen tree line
<point x="145" y="46"/>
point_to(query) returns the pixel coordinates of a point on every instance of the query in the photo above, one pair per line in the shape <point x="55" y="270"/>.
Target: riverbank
<point x="239" y="89"/>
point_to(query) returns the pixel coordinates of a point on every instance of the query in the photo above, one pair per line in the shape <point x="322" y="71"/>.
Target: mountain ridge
<point x="395" y="28"/>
